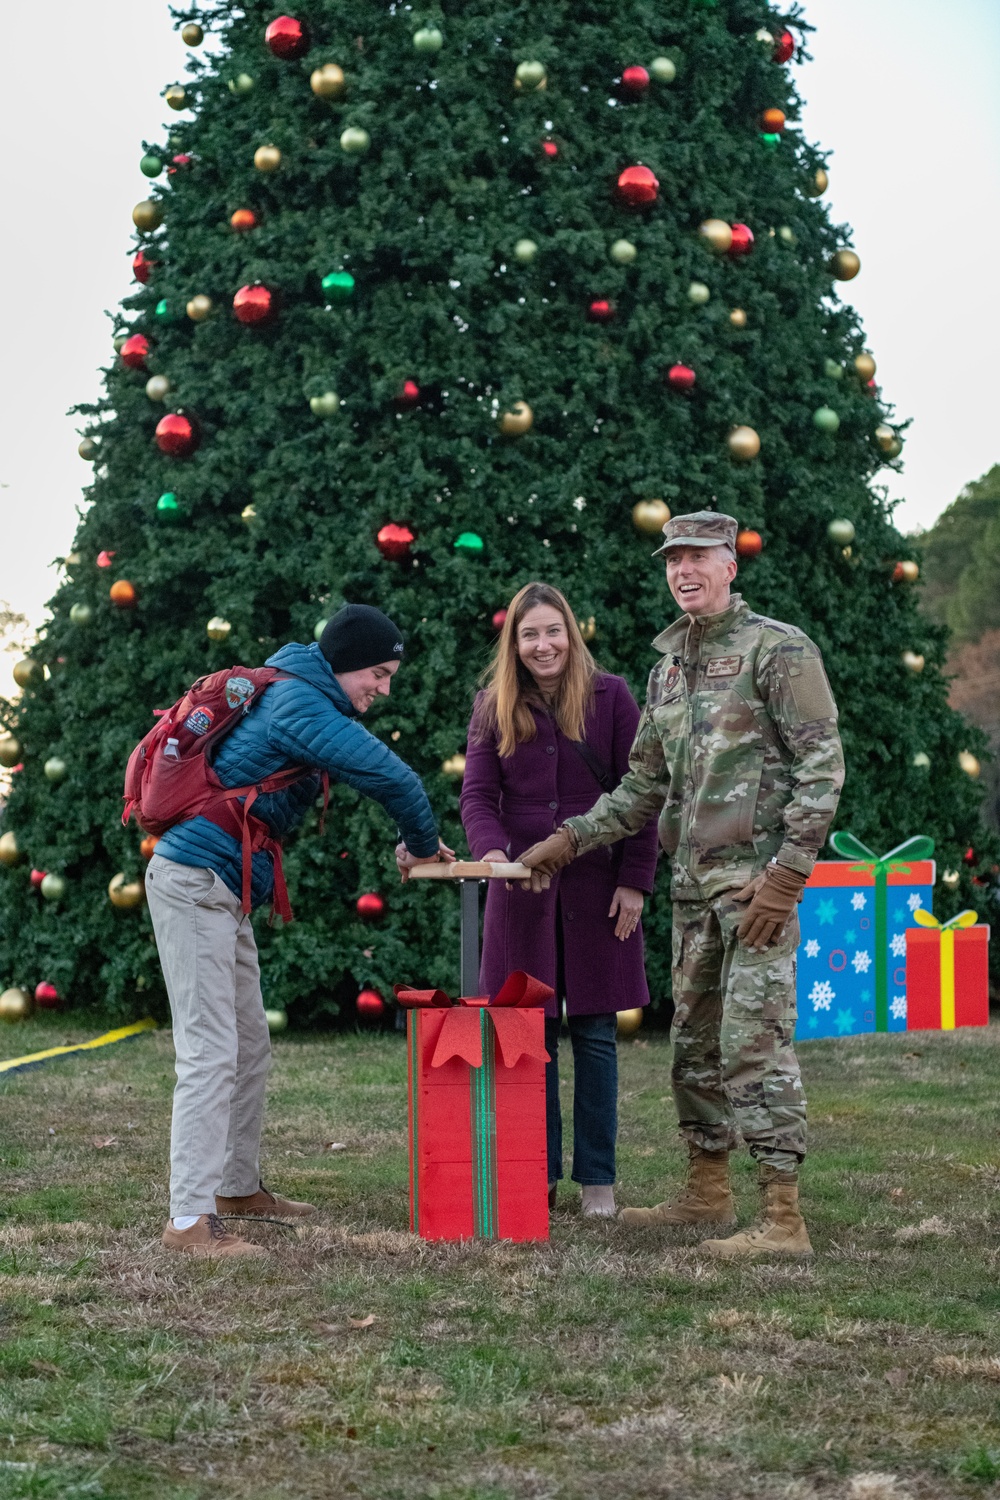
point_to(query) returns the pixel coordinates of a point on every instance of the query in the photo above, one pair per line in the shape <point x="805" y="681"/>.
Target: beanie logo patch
<point x="398" y="648"/>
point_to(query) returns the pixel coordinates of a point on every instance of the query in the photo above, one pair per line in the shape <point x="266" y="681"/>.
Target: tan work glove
<point x="773" y="896"/>
<point x="546" y="858"/>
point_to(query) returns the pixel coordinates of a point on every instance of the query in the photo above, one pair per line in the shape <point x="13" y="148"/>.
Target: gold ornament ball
<point x="913" y="661"/>
<point x="718" y="234"/>
<point x="267" y="158"/>
<point x="54" y="769"/>
<point x="650" y="516"/>
<point x="248" y="514"/>
<point x="663" y="69"/>
<point x="629" y="1021"/>
<point x="27" y="672"/>
<point x="525" y="251"/>
<point x="15" y="1005"/>
<point x="157" y="387"/>
<point x="518" y="420"/>
<point x="895" y="447"/>
<point x="818" y="183"/>
<point x="623" y="252"/>
<point x="738" y="318"/>
<point x="885" y="437"/>
<point x="744" y="444"/>
<point x="530" y="75"/>
<point x="87" y="450"/>
<point x="126" y="894"/>
<point x="698" y="293"/>
<point x="588" y="628"/>
<point x="921" y="760"/>
<point x="176" y="97"/>
<point x="909" y="571"/>
<point x="454" y="767"/>
<point x="80" y="614"/>
<point x="199" y="308"/>
<point x="10" y="754"/>
<point x="218" y="629"/>
<point x="325" y="405"/>
<point x="969" y="763"/>
<point x="147" y="215"/>
<point x="192" y="34"/>
<point x="277" y="1020"/>
<point x="864" y="366"/>
<point x="328" y="81"/>
<point x="53" y="887"/>
<point x="9" y="852"/>
<point x="845" y="265"/>
<point x="354" y="140"/>
<point x="951" y="879"/>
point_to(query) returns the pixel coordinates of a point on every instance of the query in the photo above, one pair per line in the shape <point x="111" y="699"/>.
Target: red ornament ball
<point x="409" y="395"/>
<point x="243" y="218"/>
<point x="601" y="311"/>
<point x="253" y="304"/>
<point x="499" y="619"/>
<point x="142" y="267"/>
<point x="638" y="187"/>
<point x="635" y="81"/>
<point x="179" y="163"/>
<point x="104" y="559"/>
<point x="395" y="541"/>
<point x="46" y="995"/>
<point x="748" y="543"/>
<point x="176" y="435"/>
<point x="550" y="148"/>
<point x="123" y="594"/>
<point x="370" y="1005"/>
<point x="969" y="857"/>
<point x="680" y="377"/>
<point x="784" y="47"/>
<point x="370" y="906"/>
<point x="287" y="37"/>
<point x="135" y="351"/>
<point x="742" y="241"/>
<point x="37" y="876"/>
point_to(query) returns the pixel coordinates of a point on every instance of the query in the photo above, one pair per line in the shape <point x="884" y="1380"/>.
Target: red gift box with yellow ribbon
<point x="947" y="973"/>
<point x="478" y="1165"/>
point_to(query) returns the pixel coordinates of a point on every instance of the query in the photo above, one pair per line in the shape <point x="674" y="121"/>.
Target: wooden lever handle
<point x="470" y="869"/>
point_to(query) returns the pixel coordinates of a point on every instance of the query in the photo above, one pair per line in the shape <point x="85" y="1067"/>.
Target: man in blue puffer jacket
<point x="206" y="942"/>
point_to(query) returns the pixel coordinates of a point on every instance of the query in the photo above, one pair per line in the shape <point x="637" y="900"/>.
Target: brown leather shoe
<point x="706" y="1197"/>
<point x="265" y="1205"/>
<point x="781" y="1229"/>
<point x="207" y="1236"/>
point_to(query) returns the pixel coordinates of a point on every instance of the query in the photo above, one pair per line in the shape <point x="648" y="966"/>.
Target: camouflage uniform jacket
<point x="737" y="749"/>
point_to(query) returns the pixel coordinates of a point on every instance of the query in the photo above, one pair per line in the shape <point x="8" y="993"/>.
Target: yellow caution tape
<point x="120" y="1035"/>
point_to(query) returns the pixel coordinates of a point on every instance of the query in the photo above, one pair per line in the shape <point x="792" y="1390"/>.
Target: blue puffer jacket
<point x="306" y="720"/>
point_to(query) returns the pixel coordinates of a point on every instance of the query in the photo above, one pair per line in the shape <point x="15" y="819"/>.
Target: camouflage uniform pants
<point x="735" y="1074"/>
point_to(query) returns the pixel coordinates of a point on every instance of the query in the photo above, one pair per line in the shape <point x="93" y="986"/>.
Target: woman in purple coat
<point x="548" y="735"/>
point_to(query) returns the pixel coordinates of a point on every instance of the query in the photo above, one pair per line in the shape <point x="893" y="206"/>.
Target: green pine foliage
<point x="959" y="560"/>
<point x="425" y="222"/>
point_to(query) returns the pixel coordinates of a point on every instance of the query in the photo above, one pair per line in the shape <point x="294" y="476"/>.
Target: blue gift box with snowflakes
<point x="852" y="955"/>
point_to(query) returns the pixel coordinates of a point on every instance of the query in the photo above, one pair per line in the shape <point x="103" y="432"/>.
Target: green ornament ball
<point x="698" y="293"/>
<point x="165" y="312"/>
<point x="241" y="84"/>
<point x="55" y="769"/>
<point x="841" y="531"/>
<point x="277" y="1020"/>
<point x="921" y="760"/>
<point x="470" y="543"/>
<point x="624" y="252"/>
<point x="770" y="141"/>
<point x="81" y="614"/>
<point x="663" y="70"/>
<point x="826" y="419"/>
<point x="319" y="628"/>
<point x="53" y="887"/>
<point x="525" y="251"/>
<point x="168" y="507"/>
<point x="833" y="370"/>
<point x="428" y="39"/>
<point x="530" y="75"/>
<point x="355" y="141"/>
<point x="338" y="286"/>
<point x="150" y="166"/>
<point x="786" y="234"/>
<point x="325" y="405"/>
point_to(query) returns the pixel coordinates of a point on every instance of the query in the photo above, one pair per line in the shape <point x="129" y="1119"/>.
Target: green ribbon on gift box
<point x="881" y="866"/>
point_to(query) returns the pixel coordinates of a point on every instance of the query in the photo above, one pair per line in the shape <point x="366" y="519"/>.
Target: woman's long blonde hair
<point x="510" y="687"/>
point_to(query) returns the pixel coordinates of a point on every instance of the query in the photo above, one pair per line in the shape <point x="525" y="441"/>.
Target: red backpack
<point x="169" y="777"/>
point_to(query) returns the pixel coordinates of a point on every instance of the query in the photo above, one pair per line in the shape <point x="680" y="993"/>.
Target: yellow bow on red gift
<point x="947" y="958"/>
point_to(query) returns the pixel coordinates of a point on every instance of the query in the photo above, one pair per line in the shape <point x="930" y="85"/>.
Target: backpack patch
<point x="238" y="690"/>
<point x="199" y="720"/>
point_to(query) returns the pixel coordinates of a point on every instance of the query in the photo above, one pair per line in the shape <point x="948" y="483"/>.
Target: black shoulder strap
<point x="597" y="769"/>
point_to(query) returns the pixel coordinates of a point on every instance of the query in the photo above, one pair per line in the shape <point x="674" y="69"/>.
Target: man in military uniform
<point x="738" y="751"/>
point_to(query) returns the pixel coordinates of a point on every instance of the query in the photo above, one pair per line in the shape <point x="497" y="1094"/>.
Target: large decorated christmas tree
<point x="430" y="302"/>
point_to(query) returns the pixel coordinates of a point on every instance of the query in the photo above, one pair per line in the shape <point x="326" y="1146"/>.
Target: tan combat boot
<point x="263" y="1204"/>
<point x="781" y="1229"/>
<point x="706" y="1197"/>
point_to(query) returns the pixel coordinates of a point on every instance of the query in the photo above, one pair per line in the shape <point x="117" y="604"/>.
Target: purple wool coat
<point x="514" y="801"/>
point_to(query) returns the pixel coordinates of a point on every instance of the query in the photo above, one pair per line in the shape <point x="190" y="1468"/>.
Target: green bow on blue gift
<point x="894" y="862"/>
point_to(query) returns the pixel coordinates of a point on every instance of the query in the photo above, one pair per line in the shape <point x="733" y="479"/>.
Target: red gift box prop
<point x="947" y="973"/>
<point x="478" y="1164"/>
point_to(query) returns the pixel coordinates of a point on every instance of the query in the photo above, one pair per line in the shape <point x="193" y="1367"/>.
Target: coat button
<point x="553" y="805"/>
<point x="550" y="749"/>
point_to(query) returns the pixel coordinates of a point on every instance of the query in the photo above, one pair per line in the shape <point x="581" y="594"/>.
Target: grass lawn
<point x="608" y="1363"/>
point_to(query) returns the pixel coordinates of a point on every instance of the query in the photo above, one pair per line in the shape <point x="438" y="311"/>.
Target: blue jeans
<point x="595" y="1098"/>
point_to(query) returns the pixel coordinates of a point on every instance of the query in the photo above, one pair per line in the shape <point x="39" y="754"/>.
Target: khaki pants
<point x="221" y="1041"/>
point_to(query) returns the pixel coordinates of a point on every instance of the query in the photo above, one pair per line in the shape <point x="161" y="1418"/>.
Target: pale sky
<point x="903" y="92"/>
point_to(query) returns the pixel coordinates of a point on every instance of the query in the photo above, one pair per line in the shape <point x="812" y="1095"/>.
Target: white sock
<point x="185" y="1221"/>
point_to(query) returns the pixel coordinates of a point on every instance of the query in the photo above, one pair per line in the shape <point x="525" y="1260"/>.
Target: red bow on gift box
<point x="461" y="1034"/>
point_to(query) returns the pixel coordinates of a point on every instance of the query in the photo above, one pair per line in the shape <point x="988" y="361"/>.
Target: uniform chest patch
<point x="723" y="666"/>
<point x="671" y="680"/>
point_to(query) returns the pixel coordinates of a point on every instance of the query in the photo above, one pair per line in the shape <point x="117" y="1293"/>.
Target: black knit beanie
<point x="360" y="636"/>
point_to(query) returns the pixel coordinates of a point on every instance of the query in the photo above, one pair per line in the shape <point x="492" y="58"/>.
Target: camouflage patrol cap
<point x="702" y="528"/>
